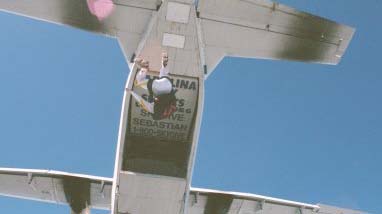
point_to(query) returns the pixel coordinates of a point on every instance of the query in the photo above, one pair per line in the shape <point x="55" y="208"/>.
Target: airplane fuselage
<point x="155" y="158"/>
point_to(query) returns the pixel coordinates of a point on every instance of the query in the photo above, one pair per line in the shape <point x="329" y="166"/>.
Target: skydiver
<point x="162" y="100"/>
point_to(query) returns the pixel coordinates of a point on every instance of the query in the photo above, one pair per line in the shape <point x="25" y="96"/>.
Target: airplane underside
<point x="155" y="157"/>
<point x="154" y="174"/>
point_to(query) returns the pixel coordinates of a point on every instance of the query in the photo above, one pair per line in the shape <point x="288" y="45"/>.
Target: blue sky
<point x="298" y="131"/>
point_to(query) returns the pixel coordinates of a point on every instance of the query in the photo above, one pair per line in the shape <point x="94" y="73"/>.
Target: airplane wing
<point x="204" y="201"/>
<point x="73" y="189"/>
<point x="127" y="22"/>
<point x="56" y="187"/>
<point x="268" y="30"/>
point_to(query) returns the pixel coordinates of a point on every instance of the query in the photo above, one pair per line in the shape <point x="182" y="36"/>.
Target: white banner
<point x="179" y="125"/>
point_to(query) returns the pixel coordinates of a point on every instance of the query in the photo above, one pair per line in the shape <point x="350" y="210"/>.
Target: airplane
<point x="155" y="158"/>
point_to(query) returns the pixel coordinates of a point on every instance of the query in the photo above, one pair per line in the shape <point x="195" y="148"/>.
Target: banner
<point x="179" y="125"/>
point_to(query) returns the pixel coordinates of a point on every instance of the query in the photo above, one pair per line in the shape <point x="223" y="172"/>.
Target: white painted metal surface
<point x="268" y="30"/>
<point x="335" y="210"/>
<point x="177" y="12"/>
<point x="75" y="13"/>
<point x="173" y="40"/>
<point x="47" y="186"/>
<point x="254" y="197"/>
<point x="153" y="173"/>
<point x="142" y="193"/>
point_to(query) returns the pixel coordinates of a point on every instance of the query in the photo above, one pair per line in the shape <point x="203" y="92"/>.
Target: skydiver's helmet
<point x="162" y="86"/>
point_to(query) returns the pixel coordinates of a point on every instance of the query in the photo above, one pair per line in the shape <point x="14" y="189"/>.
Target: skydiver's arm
<point x="164" y="70"/>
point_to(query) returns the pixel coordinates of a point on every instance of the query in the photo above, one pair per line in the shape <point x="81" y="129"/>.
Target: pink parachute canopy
<point x="101" y="8"/>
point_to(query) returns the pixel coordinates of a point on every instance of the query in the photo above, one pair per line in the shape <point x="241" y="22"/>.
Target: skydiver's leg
<point x="149" y="107"/>
<point x="150" y="90"/>
<point x="142" y="84"/>
<point x="141" y="79"/>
